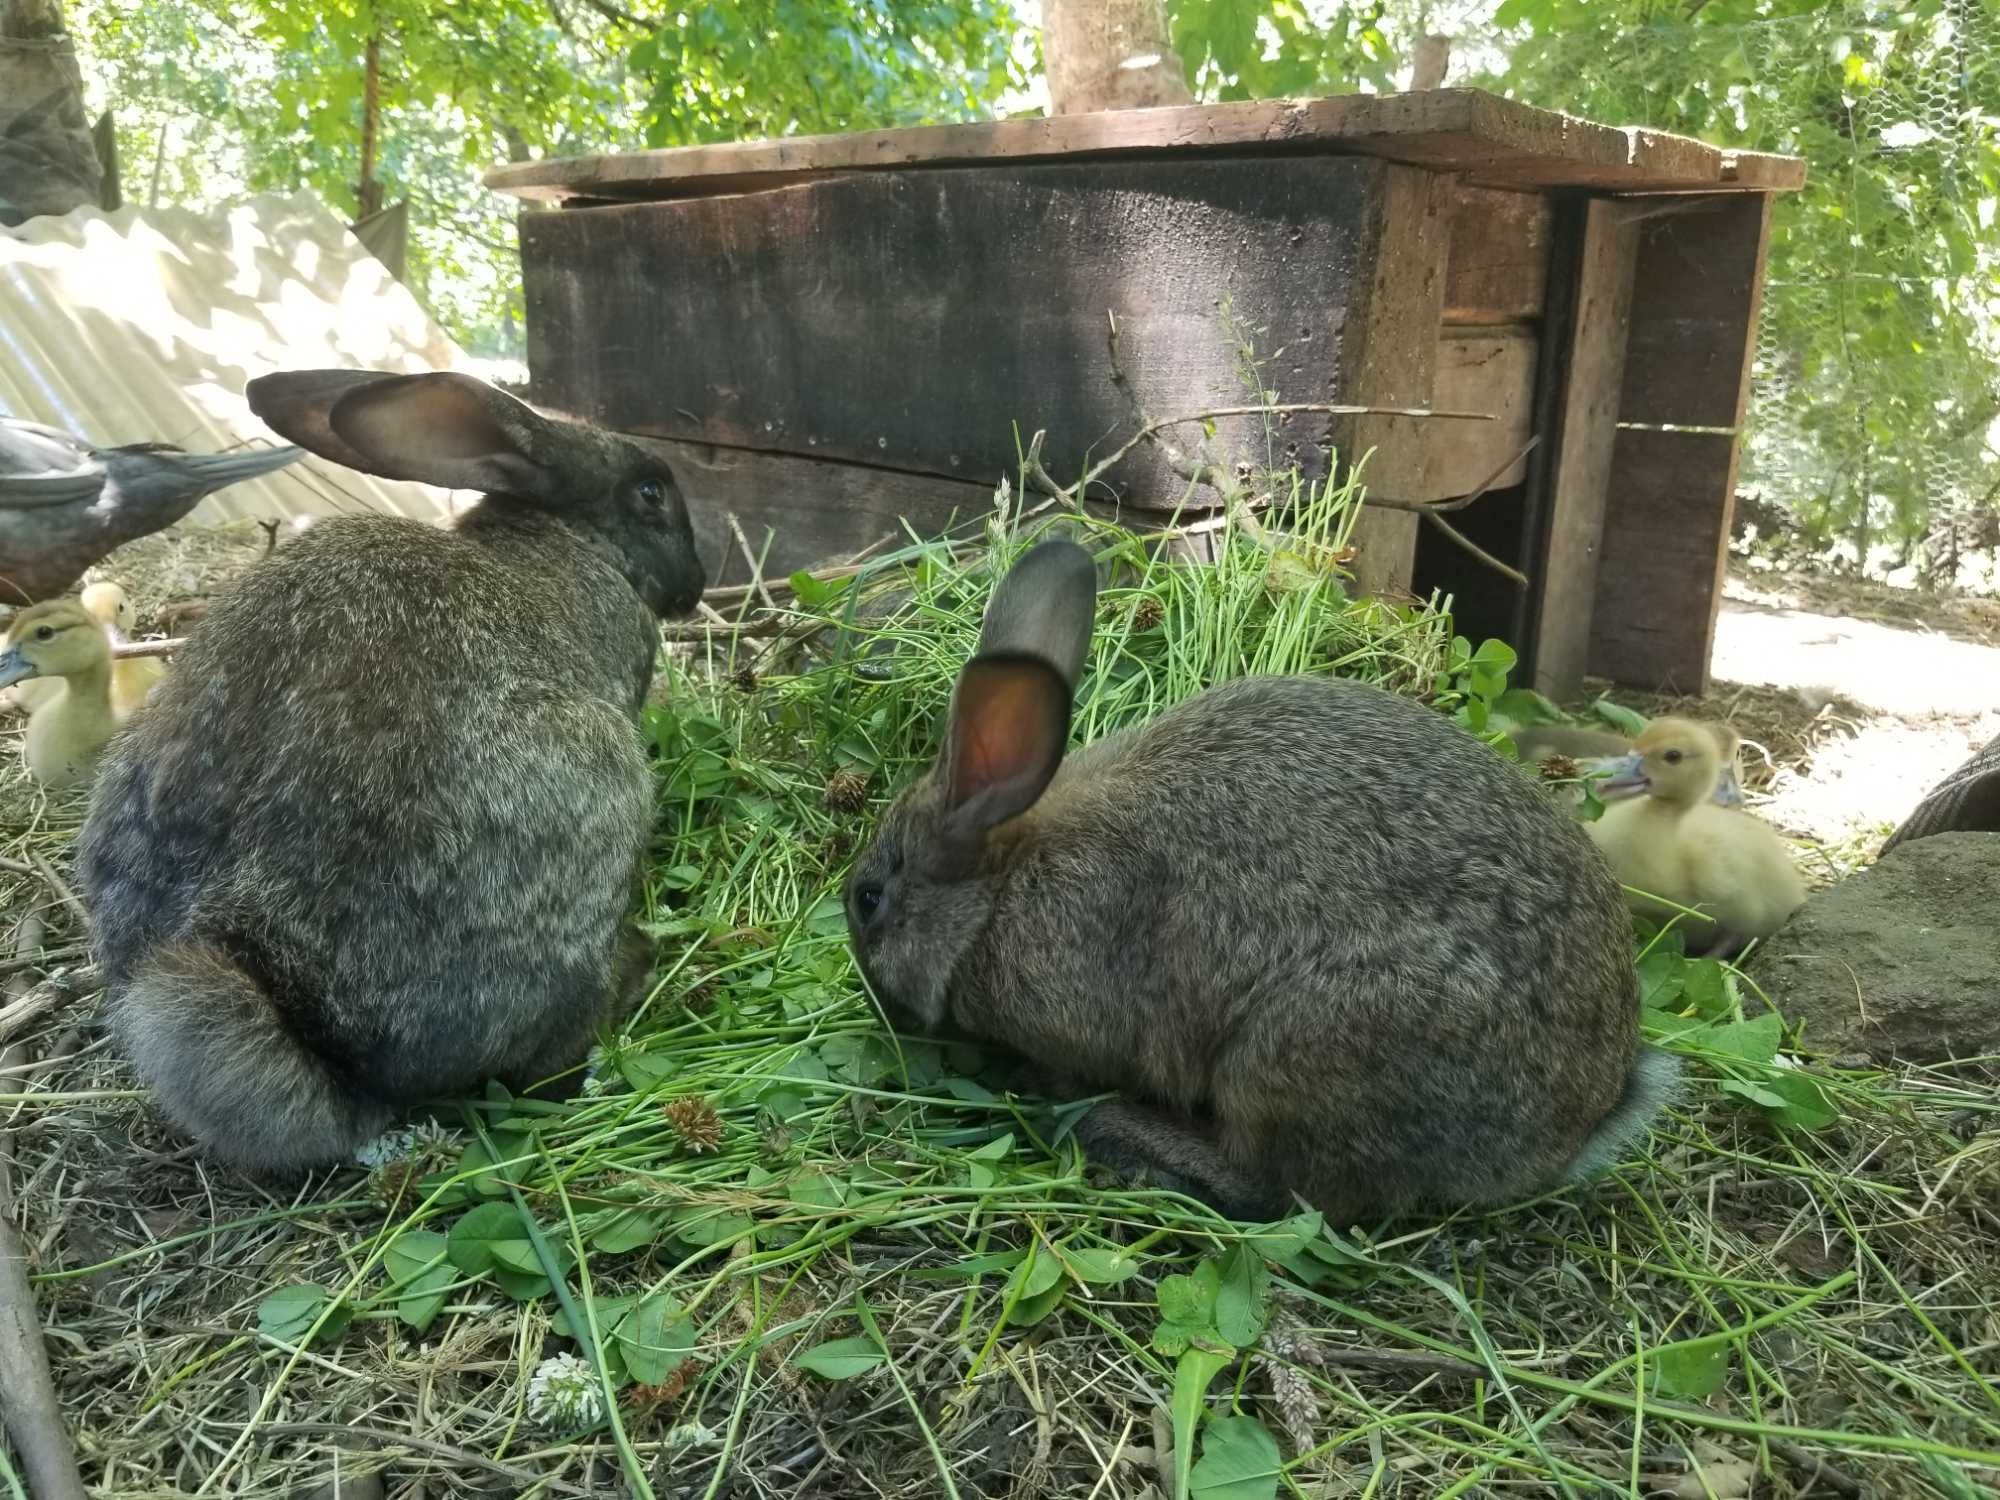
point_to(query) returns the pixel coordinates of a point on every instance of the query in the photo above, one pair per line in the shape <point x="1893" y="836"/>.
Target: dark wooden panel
<point x="816" y="512"/>
<point x="1490" y="140"/>
<point x="1701" y="269"/>
<point x="1659" y="583"/>
<point x="1389" y="357"/>
<point x="1499" y="256"/>
<point x="1674" y="491"/>
<point x="909" y="319"/>
<point x="1586" y="428"/>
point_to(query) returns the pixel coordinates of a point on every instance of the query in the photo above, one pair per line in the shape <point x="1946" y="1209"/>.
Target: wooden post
<point x="1389" y="357"/>
<point x="1591" y="365"/>
<point x="1695" y="304"/>
<point x="368" y="192"/>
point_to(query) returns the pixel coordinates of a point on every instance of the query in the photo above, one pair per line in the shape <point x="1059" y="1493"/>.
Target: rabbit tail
<point x="1649" y="1087"/>
<point x="228" y="1070"/>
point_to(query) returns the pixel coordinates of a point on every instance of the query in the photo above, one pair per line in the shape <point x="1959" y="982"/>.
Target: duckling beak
<point x="14" y="667"/>
<point x="1728" y="790"/>
<point x="1627" y="779"/>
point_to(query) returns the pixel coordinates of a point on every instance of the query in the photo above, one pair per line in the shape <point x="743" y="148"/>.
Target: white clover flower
<point x="563" y="1394"/>
<point x="402" y="1144"/>
<point x="693" y="1435"/>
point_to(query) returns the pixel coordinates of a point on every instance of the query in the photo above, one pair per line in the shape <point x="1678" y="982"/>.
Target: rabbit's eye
<point x="867" y="900"/>
<point x="653" y="492"/>
<point x="1673" y="757"/>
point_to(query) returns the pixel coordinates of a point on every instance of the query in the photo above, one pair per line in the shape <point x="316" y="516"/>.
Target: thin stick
<point x="1432" y="508"/>
<point x="64" y="894"/>
<point x="35" y="1001"/>
<point x="126" y="649"/>
<point x="27" y="1392"/>
<point x="1328" y="408"/>
<point x="756" y="567"/>
<point x="464" y="1457"/>
<point x="733" y="592"/>
<point x="1459" y="538"/>
<point x="1815" y="1469"/>
<point x="1393" y="1362"/>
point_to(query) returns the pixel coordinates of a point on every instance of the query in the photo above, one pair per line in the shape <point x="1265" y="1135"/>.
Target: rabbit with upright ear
<point x="374" y="839"/>
<point x="1319" y="940"/>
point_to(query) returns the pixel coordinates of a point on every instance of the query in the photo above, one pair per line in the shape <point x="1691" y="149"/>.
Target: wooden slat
<point x="1763" y="171"/>
<point x="910" y="320"/>
<point x="1499" y="257"/>
<point x="1389" y="357"/>
<point x="1492" y="141"/>
<point x="818" y="511"/>
<point x="1587" y="430"/>
<point x="1479" y="369"/>
<point x="1666" y="540"/>
<point x="1686" y="362"/>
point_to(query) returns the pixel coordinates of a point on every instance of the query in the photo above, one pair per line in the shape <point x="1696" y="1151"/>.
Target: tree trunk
<point x="1109" y="54"/>
<point x="48" y="162"/>
<point x="1432" y="61"/>
<point x="368" y="193"/>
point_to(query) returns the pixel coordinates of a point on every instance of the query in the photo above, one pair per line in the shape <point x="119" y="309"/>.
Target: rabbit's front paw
<point x="1177" y="1154"/>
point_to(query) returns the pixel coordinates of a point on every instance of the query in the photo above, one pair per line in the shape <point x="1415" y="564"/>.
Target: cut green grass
<point x="802" y="1256"/>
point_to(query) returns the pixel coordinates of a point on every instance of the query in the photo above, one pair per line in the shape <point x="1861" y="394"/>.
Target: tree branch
<point x="622" y="16"/>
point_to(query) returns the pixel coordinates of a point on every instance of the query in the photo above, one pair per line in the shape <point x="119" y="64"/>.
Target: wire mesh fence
<point x="1872" y="432"/>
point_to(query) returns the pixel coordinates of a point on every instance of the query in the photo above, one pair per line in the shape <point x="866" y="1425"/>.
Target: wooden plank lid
<point x="1492" y="141"/>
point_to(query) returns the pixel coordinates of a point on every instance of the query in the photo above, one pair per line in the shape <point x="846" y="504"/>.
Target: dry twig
<point x="27" y="1393"/>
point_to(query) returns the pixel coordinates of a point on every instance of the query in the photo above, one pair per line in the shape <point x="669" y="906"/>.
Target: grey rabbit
<point x="1318" y="939"/>
<point x="374" y="838"/>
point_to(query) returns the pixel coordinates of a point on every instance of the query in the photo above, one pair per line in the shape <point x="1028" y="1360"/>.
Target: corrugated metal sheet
<point x="144" y="325"/>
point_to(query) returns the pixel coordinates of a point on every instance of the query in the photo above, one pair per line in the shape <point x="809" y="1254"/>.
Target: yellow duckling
<point x="59" y="640"/>
<point x="132" y="678"/>
<point x="1593" y="749"/>
<point x="1666" y="836"/>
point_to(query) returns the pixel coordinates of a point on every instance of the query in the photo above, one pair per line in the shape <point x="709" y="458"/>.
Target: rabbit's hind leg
<point x="631" y="976"/>
<point x="1179" y="1154"/>
<point x="631" y="971"/>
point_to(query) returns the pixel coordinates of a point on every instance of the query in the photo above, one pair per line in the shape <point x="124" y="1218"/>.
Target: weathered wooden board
<point x="1489" y="369"/>
<point x="1586" y="430"/>
<point x="1659" y="582"/>
<point x="1389" y="357"/>
<point x="809" y="511"/>
<point x="1686" y="363"/>
<point x="907" y="320"/>
<point x="1499" y="257"/>
<point x="1491" y="141"/>
<point x="1695" y="303"/>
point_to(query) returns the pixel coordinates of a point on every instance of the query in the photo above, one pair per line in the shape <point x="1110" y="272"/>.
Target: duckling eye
<point x="45" y="633"/>
<point x="653" y="492"/>
<point x="1673" y="757"/>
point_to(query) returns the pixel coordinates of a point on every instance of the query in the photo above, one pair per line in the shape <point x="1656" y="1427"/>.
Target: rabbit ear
<point x="1043" y="608"/>
<point x="448" y="430"/>
<point x="295" y="404"/>
<point x="1009" y="725"/>
<point x="443" y="429"/>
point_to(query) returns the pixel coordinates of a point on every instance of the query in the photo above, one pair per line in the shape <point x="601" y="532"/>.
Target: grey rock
<point x="1900" y="961"/>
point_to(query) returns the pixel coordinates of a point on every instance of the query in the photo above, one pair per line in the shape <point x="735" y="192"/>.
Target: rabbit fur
<point x="374" y="838"/>
<point x="1317" y="938"/>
